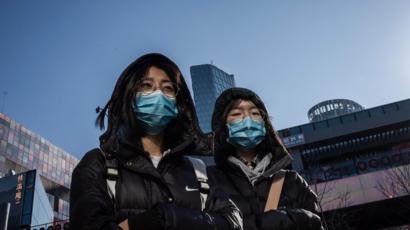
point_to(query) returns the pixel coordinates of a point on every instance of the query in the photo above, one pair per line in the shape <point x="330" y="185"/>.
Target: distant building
<point x="358" y="163"/>
<point x="23" y="202"/>
<point x="332" y="108"/>
<point x="22" y="150"/>
<point x="208" y="82"/>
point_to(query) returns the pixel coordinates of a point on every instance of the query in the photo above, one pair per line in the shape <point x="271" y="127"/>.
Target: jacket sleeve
<point x="90" y="206"/>
<point x="220" y="213"/>
<point x="224" y="211"/>
<point x="304" y="216"/>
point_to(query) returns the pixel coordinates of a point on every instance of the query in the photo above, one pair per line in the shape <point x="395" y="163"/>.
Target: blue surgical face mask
<point x="155" y="111"/>
<point x="246" y="133"/>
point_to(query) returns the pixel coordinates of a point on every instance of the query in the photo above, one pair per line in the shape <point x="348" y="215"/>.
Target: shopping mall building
<point x="39" y="166"/>
<point x="358" y="162"/>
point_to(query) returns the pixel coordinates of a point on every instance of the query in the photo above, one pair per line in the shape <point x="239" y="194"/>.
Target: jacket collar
<point x="252" y="173"/>
<point x="139" y="161"/>
<point x="274" y="166"/>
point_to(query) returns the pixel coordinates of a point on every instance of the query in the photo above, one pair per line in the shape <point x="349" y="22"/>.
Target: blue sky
<point x="60" y="59"/>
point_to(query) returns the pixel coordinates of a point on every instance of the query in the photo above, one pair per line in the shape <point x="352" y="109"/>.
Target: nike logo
<point x="190" y="189"/>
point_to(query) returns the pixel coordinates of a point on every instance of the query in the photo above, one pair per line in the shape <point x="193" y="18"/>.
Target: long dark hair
<point x="123" y="127"/>
<point x="228" y="100"/>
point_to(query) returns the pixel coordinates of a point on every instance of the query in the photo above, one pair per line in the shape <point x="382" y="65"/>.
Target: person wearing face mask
<point x="251" y="166"/>
<point x="141" y="177"/>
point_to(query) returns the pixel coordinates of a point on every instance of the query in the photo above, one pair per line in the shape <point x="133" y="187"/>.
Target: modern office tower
<point x="358" y="163"/>
<point x="22" y="150"/>
<point x="208" y="82"/>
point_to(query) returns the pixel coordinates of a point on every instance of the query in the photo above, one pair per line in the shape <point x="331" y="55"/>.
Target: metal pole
<point x="7" y="216"/>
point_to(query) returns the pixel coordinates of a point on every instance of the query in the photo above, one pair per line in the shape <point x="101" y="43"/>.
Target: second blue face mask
<point x="246" y="133"/>
<point x="155" y="111"/>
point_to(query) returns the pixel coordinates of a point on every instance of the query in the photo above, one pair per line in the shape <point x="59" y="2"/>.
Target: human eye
<point x="168" y="87"/>
<point x="145" y="85"/>
<point x="256" y="113"/>
<point x="235" y="112"/>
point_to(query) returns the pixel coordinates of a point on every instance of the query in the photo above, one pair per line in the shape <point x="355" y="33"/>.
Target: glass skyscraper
<point x="208" y="82"/>
<point x="22" y="150"/>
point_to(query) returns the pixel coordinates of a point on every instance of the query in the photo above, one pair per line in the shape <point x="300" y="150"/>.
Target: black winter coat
<point x="297" y="208"/>
<point x="166" y="197"/>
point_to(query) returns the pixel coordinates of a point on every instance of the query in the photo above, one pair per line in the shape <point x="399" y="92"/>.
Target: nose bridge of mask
<point x="156" y="97"/>
<point x="158" y="90"/>
<point x="154" y="93"/>
<point x="248" y="122"/>
<point x="155" y="103"/>
<point x="153" y="98"/>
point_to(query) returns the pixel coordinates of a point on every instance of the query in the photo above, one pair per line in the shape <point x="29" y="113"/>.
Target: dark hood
<point x="123" y="128"/>
<point x="271" y="143"/>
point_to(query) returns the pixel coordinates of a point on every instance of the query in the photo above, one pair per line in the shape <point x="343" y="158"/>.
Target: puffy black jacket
<point x="297" y="208"/>
<point x="166" y="197"/>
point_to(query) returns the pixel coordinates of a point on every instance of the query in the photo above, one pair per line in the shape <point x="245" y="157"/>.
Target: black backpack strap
<point x="111" y="165"/>
<point x="202" y="177"/>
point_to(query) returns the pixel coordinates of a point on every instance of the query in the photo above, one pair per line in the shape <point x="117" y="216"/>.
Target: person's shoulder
<point x="92" y="159"/>
<point x="295" y="178"/>
<point x="298" y="186"/>
<point x="88" y="173"/>
<point x="291" y="173"/>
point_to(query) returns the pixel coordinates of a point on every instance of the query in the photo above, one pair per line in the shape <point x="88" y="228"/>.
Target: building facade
<point x="23" y="202"/>
<point x="358" y="164"/>
<point x="208" y="82"/>
<point x="22" y="150"/>
<point x="332" y="108"/>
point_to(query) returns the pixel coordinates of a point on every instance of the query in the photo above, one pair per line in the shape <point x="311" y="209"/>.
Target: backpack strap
<point x="111" y="165"/>
<point x="202" y="177"/>
<point x="275" y="191"/>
